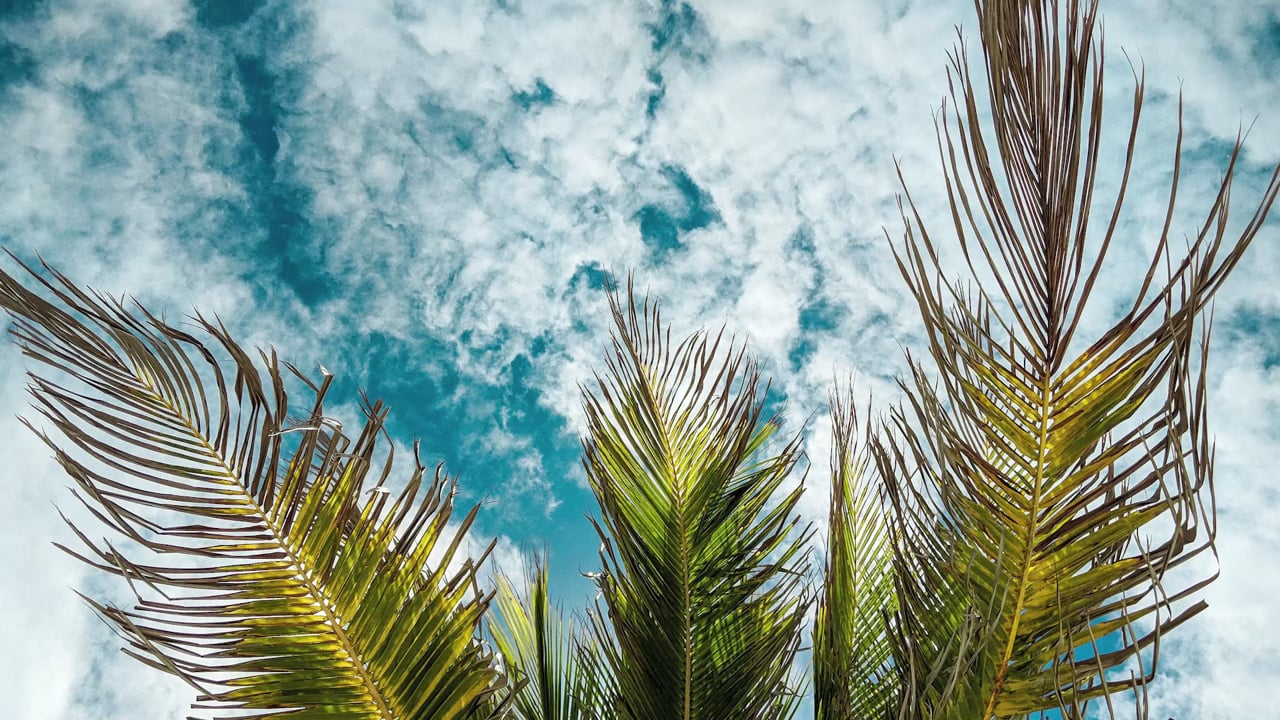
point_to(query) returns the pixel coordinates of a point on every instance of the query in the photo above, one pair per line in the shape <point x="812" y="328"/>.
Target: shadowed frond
<point x="268" y="575"/>
<point x="853" y="677"/>
<point x="701" y="574"/>
<point x="1025" y="485"/>
<point x="540" y="650"/>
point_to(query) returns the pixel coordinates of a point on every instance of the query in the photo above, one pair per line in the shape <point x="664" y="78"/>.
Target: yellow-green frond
<point x="1023" y="479"/>
<point x="269" y="573"/>
<point x="853" y="673"/>
<point x="701" y="574"/>
<point x="541" y="651"/>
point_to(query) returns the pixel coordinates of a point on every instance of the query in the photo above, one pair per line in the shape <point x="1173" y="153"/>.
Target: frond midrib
<point x="678" y="496"/>
<point x="1029" y="535"/>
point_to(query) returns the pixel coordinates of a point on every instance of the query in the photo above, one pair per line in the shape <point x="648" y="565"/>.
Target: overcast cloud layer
<point x="426" y="196"/>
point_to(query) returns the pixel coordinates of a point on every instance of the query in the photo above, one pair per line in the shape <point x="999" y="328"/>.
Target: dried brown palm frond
<point x="1023" y="482"/>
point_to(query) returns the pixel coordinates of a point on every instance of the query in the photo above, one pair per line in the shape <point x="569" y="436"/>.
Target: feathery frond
<point x="262" y="577"/>
<point x="700" y="566"/>
<point x="853" y="674"/>
<point x="540" y="650"/>
<point x="1023" y="487"/>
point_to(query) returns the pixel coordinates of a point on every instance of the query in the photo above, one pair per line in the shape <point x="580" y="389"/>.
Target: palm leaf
<point x="262" y="577"/>
<point x="853" y="675"/>
<point x="1025" y="484"/>
<point x="700" y="573"/>
<point x="541" y="652"/>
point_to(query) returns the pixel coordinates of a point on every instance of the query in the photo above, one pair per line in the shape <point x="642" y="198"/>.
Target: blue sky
<point x="425" y="196"/>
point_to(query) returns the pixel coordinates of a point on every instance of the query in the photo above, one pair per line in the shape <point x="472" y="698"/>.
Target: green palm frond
<point x="701" y="574"/>
<point x="268" y="576"/>
<point x="1025" y="485"/>
<point x="853" y="675"/>
<point x="541" y="652"/>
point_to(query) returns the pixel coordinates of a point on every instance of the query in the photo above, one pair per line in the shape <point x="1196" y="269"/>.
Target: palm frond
<point x="853" y="676"/>
<point x="1025" y="484"/>
<point x="540" y="650"/>
<point x="262" y="576"/>
<point x="700" y="576"/>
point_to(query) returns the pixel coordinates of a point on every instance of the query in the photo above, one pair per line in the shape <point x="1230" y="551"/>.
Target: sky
<point x="426" y="198"/>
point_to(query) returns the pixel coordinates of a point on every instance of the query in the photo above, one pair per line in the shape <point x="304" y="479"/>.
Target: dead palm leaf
<point x="1023" y="486"/>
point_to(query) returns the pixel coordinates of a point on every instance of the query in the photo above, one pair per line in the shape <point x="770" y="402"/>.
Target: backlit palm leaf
<point x="263" y="578"/>
<point x="540" y="650"/>
<point x="700" y="573"/>
<point x="852" y="655"/>
<point x="1025" y="486"/>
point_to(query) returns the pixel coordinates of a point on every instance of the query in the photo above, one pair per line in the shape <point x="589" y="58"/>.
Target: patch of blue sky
<point x="653" y="100"/>
<point x="280" y="206"/>
<point x="1256" y="326"/>
<point x="663" y="224"/>
<point x="819" y="314"/>
<point x="267" y="227"/>
<point x="11" y="10"/>
<point x="539" y="95"/>
<point x="590" y="275"/>
<point x="216" y="14"/>
<point x="678" y="34"/>
<point x="679" y="30"/>
<point x="1264" y="41"/>
<point x="523" y="414"/>
<point x="17" y="66"/>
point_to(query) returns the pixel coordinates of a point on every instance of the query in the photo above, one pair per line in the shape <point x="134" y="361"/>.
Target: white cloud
<point x="36" y="598"/>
